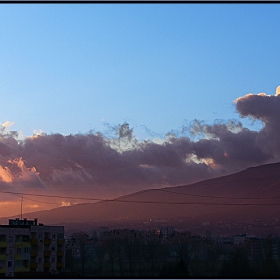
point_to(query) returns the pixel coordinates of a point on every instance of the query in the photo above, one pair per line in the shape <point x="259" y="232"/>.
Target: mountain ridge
<point x="253" y="193"/>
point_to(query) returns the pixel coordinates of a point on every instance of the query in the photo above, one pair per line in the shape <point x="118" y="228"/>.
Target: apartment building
<point x="26" y="246"/>
<point x="254" y="245"/>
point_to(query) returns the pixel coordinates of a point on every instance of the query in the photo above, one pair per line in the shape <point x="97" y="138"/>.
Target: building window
<point x="25" y="238"/>
<point x="10" y="263"/>
<point x="53" y="259"/>
<point x="39" y="260"/>
<point x="60" y="236"/>
<point x="18" y="250"/>
<point x="18" y="263"/>
<point x="53" y="236"/>
<point x="25" y="250"/>
<point x="11" y="238"/>
<point x="18" y="238"/>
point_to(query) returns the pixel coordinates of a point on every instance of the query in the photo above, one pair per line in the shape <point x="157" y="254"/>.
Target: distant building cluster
<point x="27" y="247"/>
<point x="30" y="249"/>
<point x="165" y="252"/>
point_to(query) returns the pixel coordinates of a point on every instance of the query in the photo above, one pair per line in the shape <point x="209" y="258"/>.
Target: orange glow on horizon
<point x="63" y="203"/>
<point x="13" y="208"/>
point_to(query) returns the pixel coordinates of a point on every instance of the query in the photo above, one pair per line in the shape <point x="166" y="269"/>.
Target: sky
<point x="100" y="100"/>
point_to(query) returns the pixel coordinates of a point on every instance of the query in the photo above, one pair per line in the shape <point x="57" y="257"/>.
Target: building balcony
<point x="47" y="264"/>
<point x="3" y="244"/>
<point x="22" y="269"/>
<point x="47" y="241"/>
<point x="25" y="256"/>
<point x="18" y="257"/>
<point x="47" y="253"/>
<point x="60" y="253"/>
<point x="60" y="242"/>
<point x="3" y="257"/>
<point x="3" y="269"/>
<point x="59" y="264"/>
<point x="34" y="253"/>
<point x="33" y="265"/>
<point x="22" y="244"/>
<point x="34" y="241"/>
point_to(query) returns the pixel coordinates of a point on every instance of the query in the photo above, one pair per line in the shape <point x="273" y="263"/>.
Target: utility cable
<point x="156" y="202"/>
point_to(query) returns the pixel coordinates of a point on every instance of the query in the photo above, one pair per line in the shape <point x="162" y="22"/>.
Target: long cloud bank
<point x="124" y="164"/>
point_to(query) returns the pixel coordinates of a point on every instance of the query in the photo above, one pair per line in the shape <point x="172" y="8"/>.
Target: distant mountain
<point x="247" y="195"/>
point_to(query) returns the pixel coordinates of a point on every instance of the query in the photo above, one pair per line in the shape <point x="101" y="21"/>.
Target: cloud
<point x="68" y="176"/>
<point x="14" y="174"/>
<point x="6" y="125"/>
<point x="5" y="174"/>
<point x="265" y="108"/>
<point x="33" y="206"/>
<point x="63" y="203"/>
<point x="121" y="163"/>
<point x="277" y="91"/>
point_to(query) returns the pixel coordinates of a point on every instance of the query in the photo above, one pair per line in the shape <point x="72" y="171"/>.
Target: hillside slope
<point x="250" y="194"/>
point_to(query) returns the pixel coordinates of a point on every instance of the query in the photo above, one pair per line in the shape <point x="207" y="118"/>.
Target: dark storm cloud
<point x="228" y="148"/>
<point x="122" y="162"/>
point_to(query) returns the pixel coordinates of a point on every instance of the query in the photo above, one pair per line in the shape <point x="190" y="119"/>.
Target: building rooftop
<point x="23" y="222"/>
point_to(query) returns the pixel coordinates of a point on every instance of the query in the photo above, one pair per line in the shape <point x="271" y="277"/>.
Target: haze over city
<point x="100" y="101"/>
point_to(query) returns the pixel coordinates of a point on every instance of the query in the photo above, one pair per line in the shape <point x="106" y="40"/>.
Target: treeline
<point x="134" y="254"/>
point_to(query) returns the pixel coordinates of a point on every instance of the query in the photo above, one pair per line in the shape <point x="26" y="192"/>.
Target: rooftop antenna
<point x="21" y="208"/>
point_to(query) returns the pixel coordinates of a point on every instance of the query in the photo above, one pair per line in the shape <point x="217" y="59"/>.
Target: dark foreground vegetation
<point x="150" y="254"/>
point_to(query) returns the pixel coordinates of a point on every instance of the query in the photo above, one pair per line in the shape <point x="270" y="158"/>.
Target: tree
<point x="238" y="266"/>
<point x="81" y="240"/>
<point x="269" y="267"/>
<point x="100" y="252"/>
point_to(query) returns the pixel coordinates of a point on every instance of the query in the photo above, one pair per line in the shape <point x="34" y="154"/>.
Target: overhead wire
<point x="149" y="202"/>
<point x="124" y="198"/>
<point x="23" y="195"/>
<point x="222" y="197"/>
<point x="52" y="196"/>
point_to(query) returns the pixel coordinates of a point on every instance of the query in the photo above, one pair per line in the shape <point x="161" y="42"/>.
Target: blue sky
<point x="71" y="68"/>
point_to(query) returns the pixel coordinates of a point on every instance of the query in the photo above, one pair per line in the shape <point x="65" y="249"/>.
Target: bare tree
<point x="100" y="252"/>
<point x="81" y="239"/>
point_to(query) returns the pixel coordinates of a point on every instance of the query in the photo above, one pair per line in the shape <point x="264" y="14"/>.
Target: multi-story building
<point x="26" y="246"/>
<point x="255" y="246"/>
<point x="166" y="232"/>
<point x="239" y="239"/>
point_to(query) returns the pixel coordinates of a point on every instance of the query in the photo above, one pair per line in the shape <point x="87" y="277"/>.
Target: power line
<point x="42" y="201"/>
<point x="57" y="196"/>
<point x="129" y="195"/>
<point x="33" y="199"/>
<point x="159" y="202"/>
<point x="198" y="203"/>
<point x="155" y="202"/>
<point x="222" y="197"/>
